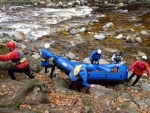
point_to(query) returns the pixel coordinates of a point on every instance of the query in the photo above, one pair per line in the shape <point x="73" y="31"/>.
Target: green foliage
<point x="147" y="1"/>
<point x="86" y="102"/>
<point x="15" y="105"/>
<point x="125" y="105"/>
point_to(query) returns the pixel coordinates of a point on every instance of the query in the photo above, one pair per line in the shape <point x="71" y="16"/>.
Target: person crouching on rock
<point x="19" y="60"/>
<point x="117" y="57"/>
<point x="95" y="56"/>
<point x="138" y="68"/>
<point x="80" y="74"/>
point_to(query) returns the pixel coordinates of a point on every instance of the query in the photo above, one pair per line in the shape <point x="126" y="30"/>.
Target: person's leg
<point x="136" y="80"/>
<point x="46" y="69"/>
<point x="52" y="71"/>
<point x="28" y="72"/>
<point x="11" y="71"/>
<point x="48" y="66"/>
<point x="128" y="80"/>
<point x="79" y="81"/>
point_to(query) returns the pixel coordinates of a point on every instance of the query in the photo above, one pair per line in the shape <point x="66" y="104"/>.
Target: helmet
<point x="99" y="51"/>
<point x="144" y="57"/>
<point x="11" y="45"/>
<point x="46" y="46"/>
<point x="119" y="52"/>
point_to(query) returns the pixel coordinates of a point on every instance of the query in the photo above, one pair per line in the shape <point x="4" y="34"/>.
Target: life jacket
<point x="117" y="58"/>
<point x="96" y="56"/>
<point x="44" y="59"/>
<point x="21" y="57"/>
<point x="140" y="66"/>
<point x="77" y="70"/>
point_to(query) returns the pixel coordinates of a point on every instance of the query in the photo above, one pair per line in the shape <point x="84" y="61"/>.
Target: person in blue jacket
<point x="80" y="74"/>
<point x="95" y="56"/>
<point x="46" y="55"/>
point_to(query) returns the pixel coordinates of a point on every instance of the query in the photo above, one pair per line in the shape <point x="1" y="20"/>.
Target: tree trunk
<point x="9" y="106"/>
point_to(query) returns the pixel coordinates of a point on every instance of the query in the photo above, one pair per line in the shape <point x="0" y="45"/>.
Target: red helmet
<point x="11" y="45"/>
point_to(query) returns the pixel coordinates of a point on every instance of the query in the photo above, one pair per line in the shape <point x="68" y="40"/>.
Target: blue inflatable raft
<point x="102" y="73"/>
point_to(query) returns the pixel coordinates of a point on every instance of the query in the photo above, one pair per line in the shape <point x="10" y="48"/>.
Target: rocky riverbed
<point x="75" y="36"/>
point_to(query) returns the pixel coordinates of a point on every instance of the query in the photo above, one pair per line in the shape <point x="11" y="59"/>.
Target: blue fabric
<point x="84" y="75"/>
<point x="46" y="54"/>
<point x="94" y="56"/>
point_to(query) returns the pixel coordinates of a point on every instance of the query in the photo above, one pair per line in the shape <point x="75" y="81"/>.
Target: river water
<point x="54" y="25"/>
<point x="35" y="22"/>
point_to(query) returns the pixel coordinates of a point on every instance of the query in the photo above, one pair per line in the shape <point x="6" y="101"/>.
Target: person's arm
<point x="148" y="70"/>
<point x="84" y="75"/>
<point x="121" y="58"/>
<point x="112" y="58"/>
<point x="9" y="56"/>
<point x="132" y="66"/>
<point x="91" y="56"/>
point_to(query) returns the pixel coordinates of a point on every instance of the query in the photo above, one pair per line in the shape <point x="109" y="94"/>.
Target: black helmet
<point x="119" y="52"/>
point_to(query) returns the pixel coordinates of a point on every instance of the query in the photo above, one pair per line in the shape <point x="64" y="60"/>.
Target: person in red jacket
<point x="138" y="68"/>
<point x="19" y="60"/>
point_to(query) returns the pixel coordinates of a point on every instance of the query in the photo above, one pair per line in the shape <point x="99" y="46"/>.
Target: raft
<point x="102" y="73"/>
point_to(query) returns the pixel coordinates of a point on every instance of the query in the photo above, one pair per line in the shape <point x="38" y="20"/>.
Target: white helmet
<point x="99" y="51"/>
<point x="46" y="46"/>
<point x="144" y="57"/>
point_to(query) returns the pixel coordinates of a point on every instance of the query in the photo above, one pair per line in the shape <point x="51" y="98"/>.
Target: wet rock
<point x="34" y="63"/>
<point x="120" y="36"/>
<point x="144" y="32"/>
<point x="133" y="105"/>
<point x="42" y="3"/>
<point x="5" y="65"/>
<point x="99" y="37"/>
<point x="120" y="4"/>
<point x="23" y="47"/>
<point x="134" y="19"/>
<point x="61" y="86"/>
<point x="86" y="60"/>
<point x="60" y="4"/>
<point x="70" y="55"/>
<point x="3" y="49"/>
<point x="94" y="20"/>
<point x="100" y="90"/>
<point x="108" y="26"/>
<point x="103" y="61"/>
<point x="18" y="36"/>
<point x="14" y="35"/>
<point x="73" y="31"/>
<point x="138" y="39"/>
<point x="83" y="29"/>
<point x="126" y="95"/>
<point x="145" y="87"/>
<point x="1" y="34"/>
<point x="36" y="56"/>
<point x="141" y="103"/>
<point x="140" y="53"/>
<point x="130" y="39"/>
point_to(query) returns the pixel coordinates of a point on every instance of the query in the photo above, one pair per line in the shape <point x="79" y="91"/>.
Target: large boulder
<point x="3" y="49"/>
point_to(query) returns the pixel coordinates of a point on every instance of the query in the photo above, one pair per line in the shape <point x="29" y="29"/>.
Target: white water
<point x="36" y="22"/>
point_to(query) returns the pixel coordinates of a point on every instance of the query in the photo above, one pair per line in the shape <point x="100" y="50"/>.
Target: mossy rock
<point x="3" y="49"/>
